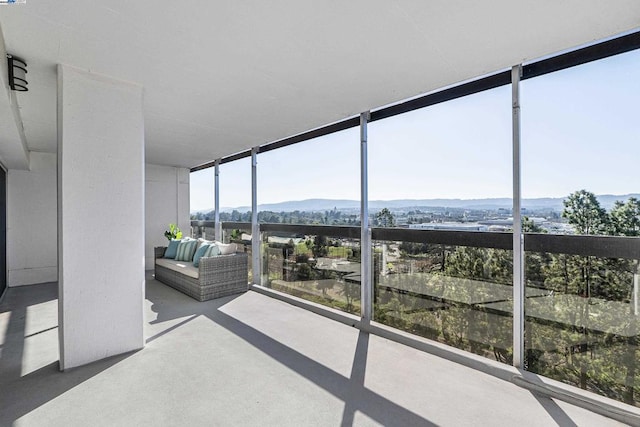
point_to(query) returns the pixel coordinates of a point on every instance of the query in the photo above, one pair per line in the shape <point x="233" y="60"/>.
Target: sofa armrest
<point x="158" y="251"/>
<point x="224" y="269"/>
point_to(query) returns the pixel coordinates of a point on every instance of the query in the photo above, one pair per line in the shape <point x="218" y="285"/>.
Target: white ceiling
<point x="223" y="76"/>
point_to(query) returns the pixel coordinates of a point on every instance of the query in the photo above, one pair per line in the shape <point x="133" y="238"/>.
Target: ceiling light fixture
<point x="17" y="74"/>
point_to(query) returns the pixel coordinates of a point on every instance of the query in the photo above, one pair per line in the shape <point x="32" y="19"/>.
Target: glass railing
<point x="582" y="293"/>
<point x="317" y="263"/>
<point x="240" y="234"/>
<point x="581" y="312"/>
<point x="440" y="284"/>
<point x="203" y="229"/>
<point x="232" y="232"/>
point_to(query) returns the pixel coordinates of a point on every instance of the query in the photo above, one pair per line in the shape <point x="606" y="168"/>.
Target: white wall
<point x="166" y="202"/>
<point x="32" y="239"/>
<point x="32" y="236"/>
<point x="101" y="216"/>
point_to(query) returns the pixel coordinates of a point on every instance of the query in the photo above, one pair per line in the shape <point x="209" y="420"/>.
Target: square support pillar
<point x="100" y="215"/>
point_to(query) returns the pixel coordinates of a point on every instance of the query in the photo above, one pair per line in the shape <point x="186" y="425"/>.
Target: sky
<point x="580" y="130"/>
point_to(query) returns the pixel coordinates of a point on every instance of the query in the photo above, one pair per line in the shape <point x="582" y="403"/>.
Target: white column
<point x="100" y="216"/>
<point x="255" y="227"/>
<point x="366" y="282"/>
<point x="518" y="250"/>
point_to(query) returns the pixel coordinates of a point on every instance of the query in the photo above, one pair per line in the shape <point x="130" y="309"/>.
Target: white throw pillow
<point x="226" y="249"/>
<point x="202" y="241"/>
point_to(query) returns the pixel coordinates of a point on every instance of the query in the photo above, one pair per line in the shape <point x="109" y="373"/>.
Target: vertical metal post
<point x="255" y="228"/>
<point x="366" y="284"/>
<point x="518" y="249"/>
<point x="216" y="201"/>
<point x="636" y="288"/>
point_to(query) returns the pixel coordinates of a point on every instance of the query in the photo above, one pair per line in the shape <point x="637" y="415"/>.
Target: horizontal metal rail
<point x="476" y="239"/>
<point x="201" y="223"/>
<point x="582" y="245"/>
<point x="226" y="225"/>
<point x="316" y="230"/>
<point x="599" y="246"/>
<point x="234" y="225"/>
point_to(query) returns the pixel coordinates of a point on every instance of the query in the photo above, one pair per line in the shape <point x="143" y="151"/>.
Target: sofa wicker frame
<point x="218" y="276"/>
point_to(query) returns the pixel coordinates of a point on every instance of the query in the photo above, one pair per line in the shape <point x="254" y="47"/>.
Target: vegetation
<point x="329" y="217"/>
<point x="581" y="327"/>
<point x="385" y="218"/>
<point x="173" y="232"/>
<point x="580" y="324"/>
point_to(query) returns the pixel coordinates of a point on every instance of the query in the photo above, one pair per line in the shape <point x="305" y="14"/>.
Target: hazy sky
<point x="580" y="129"/>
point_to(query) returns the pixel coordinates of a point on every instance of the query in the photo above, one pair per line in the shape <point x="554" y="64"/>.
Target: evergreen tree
<point x="385" y="218"/>
<point x="625" y="218"/>
<point x="584" y="212"/>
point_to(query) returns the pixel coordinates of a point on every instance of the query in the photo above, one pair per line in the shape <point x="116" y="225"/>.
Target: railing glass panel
<point x="581" y="312"/>
<point x="317" y="263"/>
<point x="442" y="285"/>
<point x="240" y="234"/>
<point x="580" y="188"/>
<point x="232" y="232"/>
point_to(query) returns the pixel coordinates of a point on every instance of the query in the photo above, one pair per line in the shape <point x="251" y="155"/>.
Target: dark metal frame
<point x="598" y="246"/>
<point x="345" y="232"/>
<point x="477" y="239"/>
<point x="595" y="52"/>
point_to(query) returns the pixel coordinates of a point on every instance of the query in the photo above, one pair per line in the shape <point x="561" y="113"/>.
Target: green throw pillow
<point x="186" y="249"/>
<point x="172" y="249"/>
<point x="199" y="254"/>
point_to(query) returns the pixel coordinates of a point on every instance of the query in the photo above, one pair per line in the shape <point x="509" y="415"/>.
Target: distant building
<point x="453" y="226"/>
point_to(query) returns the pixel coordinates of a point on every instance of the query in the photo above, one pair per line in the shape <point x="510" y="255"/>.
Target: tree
<point x="584" y="212"/>
<point x="385" y="218"/>
<point x="528" y="226"/>
<point x="625" y="218"/>
<point x="319" y="247"/>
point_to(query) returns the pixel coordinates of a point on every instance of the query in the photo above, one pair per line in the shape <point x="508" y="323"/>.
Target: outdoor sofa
<point x="214" y="277"/>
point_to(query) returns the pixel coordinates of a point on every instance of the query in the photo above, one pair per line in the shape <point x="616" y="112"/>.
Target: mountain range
<point x="311" y="205"/>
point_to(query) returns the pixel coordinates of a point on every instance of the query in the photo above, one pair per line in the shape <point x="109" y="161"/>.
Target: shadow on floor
<point x="351" y="391"/>
<point x="554" y="411"/>
<point x="19" y="395"/>
<point x="24" y="395"/>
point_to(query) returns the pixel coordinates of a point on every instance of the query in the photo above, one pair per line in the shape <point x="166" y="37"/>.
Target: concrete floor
<point x="248" y="360"/>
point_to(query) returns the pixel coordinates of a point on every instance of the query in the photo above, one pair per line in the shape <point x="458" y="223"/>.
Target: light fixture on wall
<point x="17" y="74"/>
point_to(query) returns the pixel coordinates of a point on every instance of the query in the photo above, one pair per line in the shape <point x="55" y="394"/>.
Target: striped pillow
<point x="186" y="249"/>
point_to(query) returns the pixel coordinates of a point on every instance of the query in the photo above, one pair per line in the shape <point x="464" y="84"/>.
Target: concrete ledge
<point x="331" y="313"/>
<point x="535" y="383"/>
<point x="600" y="405"/>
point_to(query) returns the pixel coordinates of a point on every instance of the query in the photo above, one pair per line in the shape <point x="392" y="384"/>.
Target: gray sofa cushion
<point x="183" y="267"/>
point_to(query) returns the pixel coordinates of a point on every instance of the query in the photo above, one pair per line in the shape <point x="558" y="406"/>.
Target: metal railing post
<point x="518" y="244"/>
<point x="366" y="284"/>
<point x="255" y="227"/>
<point x="216" y="201"/>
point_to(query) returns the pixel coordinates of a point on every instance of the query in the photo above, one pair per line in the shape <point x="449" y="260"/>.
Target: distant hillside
<point x="311" y="205"/>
